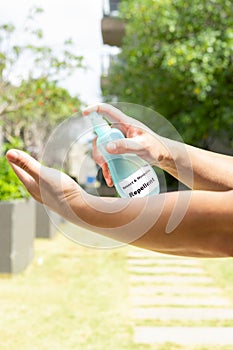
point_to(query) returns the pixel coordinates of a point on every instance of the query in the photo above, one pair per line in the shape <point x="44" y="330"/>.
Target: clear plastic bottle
<point x="132" y="176"/>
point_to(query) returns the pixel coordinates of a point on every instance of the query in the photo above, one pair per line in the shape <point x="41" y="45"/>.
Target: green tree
<point x="177" y="58"/>
<point x="46" y="105"/>
<point x="32" y="105"/>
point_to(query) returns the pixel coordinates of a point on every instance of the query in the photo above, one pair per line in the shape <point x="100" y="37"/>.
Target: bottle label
<point x="141" y="183"/>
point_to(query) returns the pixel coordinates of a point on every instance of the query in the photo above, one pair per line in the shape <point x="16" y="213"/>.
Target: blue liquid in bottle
<point x="132" y="176"/>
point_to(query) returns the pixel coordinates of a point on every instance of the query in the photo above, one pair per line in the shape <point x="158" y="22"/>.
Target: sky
<point x="63" y="19"/>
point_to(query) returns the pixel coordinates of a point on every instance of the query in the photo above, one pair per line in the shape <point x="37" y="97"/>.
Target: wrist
<point x="166" y="155"/>
<point x="176" y="161"/>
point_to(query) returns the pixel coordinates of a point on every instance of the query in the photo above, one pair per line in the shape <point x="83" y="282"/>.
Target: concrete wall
<point x="17" y="232"/>
<point x="47" y="222"/>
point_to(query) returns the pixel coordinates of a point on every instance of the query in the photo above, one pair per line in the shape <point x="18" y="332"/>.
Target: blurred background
<point x="173" y="57"/>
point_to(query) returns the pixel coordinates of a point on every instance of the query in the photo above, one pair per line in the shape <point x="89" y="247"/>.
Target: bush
<point x="10" y="185"/>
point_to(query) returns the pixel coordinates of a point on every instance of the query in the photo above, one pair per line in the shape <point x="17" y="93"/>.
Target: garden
<point x="176" y="58"/>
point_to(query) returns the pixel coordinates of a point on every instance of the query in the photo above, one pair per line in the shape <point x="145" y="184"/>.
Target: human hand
<point x="139" y="139"/>
<point x="49" y="186"/>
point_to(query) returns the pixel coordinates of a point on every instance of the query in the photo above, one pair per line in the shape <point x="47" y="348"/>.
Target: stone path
<point x="171" y="297"/>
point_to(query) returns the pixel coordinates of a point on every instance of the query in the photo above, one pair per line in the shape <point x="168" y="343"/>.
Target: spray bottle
<point x="132" y="176"/>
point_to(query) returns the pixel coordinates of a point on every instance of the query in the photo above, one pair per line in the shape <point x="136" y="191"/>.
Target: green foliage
<point x="47" y="100"/>
<point x="177" y="59"/>
<point x="47" y="105"/>
<point x="14" y="143"/>
<point x="10" y="186"/>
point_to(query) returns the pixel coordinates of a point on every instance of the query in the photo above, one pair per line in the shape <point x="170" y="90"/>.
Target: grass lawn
<point x="74" y="298"/>
<point x="222" y="272"/>
<point x="71" y="297"/>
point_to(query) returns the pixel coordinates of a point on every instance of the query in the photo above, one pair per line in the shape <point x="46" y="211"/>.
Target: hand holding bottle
<point x="139" y="140"/>
<point x="132" y="176"/>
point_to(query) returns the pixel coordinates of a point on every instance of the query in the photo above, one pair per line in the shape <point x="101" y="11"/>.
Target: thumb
<point x="123" y="146"/>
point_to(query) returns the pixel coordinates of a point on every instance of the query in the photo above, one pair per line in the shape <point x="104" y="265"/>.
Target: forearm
<point x="193" y="223"/>
<point x="203" y="230"/>
<point x="198" y="169"/>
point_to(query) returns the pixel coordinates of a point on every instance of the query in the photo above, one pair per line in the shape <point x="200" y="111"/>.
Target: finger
<point x="107" y="175"/>
<point x="28" y="181"/>
<point x="112" y="113"/>
<point x="90" y="109"/>
<point x="22" y="175"/>
<point x="117" y="117"/>
<point x="99" y="159"/>
<point x="123" y="146"/>
<point x="25" y="162"/>
<point x="134" y="132"/>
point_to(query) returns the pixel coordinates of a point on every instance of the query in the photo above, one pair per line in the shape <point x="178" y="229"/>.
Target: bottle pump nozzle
<point x="99" y="124"/>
